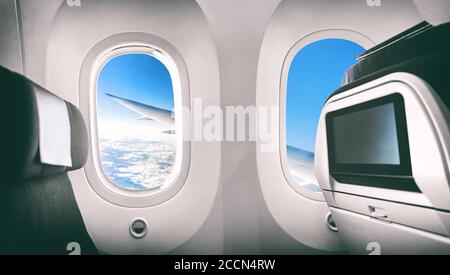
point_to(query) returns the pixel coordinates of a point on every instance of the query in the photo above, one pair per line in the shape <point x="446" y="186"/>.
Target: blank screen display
<point x="367" y="137"/>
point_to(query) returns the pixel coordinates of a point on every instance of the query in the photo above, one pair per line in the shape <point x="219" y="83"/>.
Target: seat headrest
<point x="423" y="51"/>
<point x="44" y="135"/>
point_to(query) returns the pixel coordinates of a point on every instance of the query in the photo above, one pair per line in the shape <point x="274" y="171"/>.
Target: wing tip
<point x="111" y="95"/>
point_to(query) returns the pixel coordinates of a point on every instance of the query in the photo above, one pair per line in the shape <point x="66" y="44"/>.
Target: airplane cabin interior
<point x="213" y="127"/>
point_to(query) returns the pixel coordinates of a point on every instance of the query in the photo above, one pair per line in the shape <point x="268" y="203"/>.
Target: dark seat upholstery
<point x="425" y="54"/>
<point x="38" y="210"/>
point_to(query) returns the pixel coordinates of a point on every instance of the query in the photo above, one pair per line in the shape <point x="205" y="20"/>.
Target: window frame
<point x="95" y="61"/>
<point x="170" y="66"/>
<point x="344" y="34"/>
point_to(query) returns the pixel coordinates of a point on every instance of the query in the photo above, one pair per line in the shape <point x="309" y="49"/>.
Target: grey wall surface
<point x="24" y="29"/>
<point x="10" y="50"/>
<point x="239" y="27"/>
<point x="37" y="17"/>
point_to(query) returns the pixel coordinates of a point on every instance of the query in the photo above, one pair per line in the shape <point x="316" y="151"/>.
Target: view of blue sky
<point x="138" y="77"/>
<point x="315" y="72"/>
<point x="134" y="154"/>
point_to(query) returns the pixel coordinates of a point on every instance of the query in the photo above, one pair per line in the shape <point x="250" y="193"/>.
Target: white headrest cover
<point x="54" y="130"/>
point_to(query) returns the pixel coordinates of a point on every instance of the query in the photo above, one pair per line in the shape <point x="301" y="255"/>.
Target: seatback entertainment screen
<point x="368" y="144"/>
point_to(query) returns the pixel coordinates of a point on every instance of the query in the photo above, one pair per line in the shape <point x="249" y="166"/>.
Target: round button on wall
<point x="138" y="228"/>
<point x="331" y="223"/>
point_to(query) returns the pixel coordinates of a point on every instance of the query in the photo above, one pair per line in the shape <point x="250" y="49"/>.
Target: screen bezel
<point x="373" y="170"/>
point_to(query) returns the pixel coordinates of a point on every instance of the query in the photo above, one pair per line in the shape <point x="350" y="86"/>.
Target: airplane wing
<point x="146" y="111"/>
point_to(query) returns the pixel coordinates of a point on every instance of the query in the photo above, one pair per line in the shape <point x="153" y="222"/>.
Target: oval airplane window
<point x="315" y="72"/>
<point x="137" y="141"/>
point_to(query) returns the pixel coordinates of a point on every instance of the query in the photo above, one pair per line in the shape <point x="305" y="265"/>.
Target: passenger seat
<point x="43" y="137"/>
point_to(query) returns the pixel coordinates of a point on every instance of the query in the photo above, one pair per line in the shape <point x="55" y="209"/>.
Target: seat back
<point x="43" y="137"/>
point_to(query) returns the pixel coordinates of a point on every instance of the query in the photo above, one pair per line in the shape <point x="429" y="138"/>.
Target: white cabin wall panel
<point x="436" y="12"/>
<point x="10" y="49"/>
<point x="36" y="20"/>
<point x="180" y="22"/>
<point x="96" y="20"/>
<point x="238" y="28"/>
<point x="208" y="240"/>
